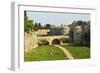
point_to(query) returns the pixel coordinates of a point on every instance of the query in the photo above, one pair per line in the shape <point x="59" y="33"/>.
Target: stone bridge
<point x="50" y="39"/>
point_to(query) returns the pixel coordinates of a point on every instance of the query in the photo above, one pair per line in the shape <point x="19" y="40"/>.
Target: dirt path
<point x="68" y="54"/>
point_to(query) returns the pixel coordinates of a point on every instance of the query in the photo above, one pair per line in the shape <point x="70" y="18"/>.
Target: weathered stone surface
<point x="30" y="41"/>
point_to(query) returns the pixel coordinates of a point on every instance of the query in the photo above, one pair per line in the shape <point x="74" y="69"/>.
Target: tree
<point x="48" y="26"/>
<point x="86" y="33"/>
<point x="61" y="25"/>
<point x="28" y="24"/>
<point x="40" y="26"/>
<point x="36" y="26"/>
<point x="71" y="31"/>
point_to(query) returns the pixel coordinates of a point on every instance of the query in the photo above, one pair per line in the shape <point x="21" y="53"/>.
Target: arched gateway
<point x="56" y="41"/>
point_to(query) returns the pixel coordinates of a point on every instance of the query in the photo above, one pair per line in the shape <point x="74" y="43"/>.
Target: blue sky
<point x="56" y="18"/>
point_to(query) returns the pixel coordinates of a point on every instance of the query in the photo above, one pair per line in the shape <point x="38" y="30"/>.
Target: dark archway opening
<point x="56" y="41"/>
<point x="43" y="42"/>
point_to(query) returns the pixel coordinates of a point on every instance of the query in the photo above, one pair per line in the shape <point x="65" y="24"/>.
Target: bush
<point x="64" y="40"/>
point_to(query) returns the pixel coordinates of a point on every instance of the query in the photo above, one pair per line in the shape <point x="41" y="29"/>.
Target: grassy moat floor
<point x="78" y="52"/>
<point x="46" y="53"/>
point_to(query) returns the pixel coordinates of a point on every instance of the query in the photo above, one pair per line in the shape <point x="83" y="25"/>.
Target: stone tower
<point x="77" y="34"/>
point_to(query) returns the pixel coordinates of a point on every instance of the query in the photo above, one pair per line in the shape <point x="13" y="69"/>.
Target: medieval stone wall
<point x="30" y="41"/>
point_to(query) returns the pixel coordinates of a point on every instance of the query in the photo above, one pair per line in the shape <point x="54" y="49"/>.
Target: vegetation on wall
<point x="28" y="24"/>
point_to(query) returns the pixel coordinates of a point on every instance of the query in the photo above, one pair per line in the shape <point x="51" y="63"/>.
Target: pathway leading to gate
<point x="68" y="54"/>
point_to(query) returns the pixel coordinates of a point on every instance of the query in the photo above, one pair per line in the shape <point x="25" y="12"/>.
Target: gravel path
<point x="68" y="54"/>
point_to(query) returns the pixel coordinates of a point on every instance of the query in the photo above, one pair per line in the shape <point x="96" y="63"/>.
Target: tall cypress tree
<point x="28" y="24"/>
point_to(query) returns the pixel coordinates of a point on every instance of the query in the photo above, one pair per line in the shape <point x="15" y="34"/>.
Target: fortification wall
<point x="30" y="42"/>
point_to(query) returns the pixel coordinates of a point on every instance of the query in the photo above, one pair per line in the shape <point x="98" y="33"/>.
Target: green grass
<point x="45" y="52"/>
<point x="78" y="52"/>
